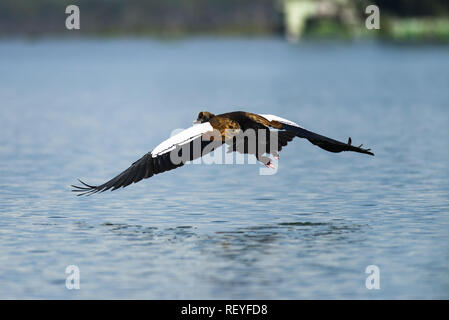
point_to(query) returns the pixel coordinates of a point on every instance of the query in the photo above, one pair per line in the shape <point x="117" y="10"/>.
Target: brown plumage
<point x="235" y="129"/>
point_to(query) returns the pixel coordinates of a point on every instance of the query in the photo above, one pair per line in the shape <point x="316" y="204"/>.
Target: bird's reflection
<point x="231" y="258"/>
<point x="235" y="243"/>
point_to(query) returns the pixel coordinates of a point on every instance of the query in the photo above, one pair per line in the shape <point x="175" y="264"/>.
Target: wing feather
<point x="323" y="142"/>
<point x="180" y="146"/>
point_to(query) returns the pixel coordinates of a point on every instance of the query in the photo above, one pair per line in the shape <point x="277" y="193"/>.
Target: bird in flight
<point x="210" y="132"/>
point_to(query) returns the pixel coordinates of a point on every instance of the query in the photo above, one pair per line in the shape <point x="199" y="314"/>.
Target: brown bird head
<point x="204" y="116"/>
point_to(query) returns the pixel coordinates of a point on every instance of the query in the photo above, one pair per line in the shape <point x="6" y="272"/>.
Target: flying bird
<point x="211" y="131"/>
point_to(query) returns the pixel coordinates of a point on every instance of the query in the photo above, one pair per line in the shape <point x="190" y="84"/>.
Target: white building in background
<point x="297" y="12"/>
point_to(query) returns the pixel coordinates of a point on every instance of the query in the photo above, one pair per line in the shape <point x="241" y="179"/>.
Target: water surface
<point x="88" y="108"/>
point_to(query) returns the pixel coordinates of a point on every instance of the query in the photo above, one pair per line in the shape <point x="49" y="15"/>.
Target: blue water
<point x="88" y="108"/>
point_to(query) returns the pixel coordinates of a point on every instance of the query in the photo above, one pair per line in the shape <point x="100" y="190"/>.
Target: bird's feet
<point x="269" y="164"/>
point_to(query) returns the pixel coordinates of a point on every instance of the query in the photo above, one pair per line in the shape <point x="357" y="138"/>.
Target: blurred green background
<point x="402" y="20"/>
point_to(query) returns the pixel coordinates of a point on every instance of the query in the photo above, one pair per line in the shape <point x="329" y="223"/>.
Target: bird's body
<point x="244" y="132"/>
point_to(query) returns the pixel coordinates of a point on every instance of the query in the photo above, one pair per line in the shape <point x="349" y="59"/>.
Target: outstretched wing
<point x="172" y="153"/>
<point x="317" y="139"/>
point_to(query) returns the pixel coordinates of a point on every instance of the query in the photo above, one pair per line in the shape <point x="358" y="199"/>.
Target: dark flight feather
<point x="325" y="143"/>
<point x="143" y="168"/>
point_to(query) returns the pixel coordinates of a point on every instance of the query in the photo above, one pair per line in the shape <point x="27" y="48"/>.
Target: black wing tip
<point x="86" y="189"/>
<point x="359" y="148"/>
<point x="365" y="151"/>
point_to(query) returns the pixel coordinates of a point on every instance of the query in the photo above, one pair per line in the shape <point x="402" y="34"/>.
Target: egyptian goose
<point x="211" y="131"/>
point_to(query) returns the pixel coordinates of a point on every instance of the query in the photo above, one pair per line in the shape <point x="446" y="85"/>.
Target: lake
<point x="88" y="108"/>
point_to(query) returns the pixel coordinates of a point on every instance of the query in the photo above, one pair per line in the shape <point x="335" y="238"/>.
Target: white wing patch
<point x="181" y="138"/>
<point x="271" y="117"/>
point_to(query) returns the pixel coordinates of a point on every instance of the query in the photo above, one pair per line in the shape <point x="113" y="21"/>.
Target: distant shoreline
<point x="167" y="37"/>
